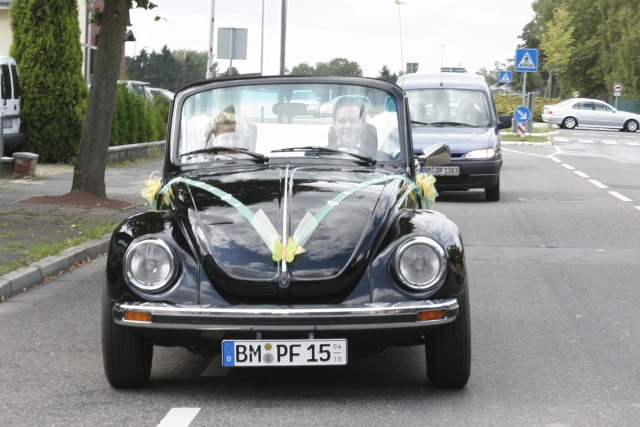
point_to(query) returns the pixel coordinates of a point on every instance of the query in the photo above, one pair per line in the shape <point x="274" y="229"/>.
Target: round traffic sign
<point x="522" y="114"/>
<point x="617" y="87"/>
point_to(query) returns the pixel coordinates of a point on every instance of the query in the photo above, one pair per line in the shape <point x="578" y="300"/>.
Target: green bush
<point x="137" y="120"/>
<point x="47" y="48"/>
<point x="506" y="104"/>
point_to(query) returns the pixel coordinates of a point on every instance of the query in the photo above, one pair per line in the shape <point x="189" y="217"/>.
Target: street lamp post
<point x="209" y="73"/>
<point x="283" y="36"/>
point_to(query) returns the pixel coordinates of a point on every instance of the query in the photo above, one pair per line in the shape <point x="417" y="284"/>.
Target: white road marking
<point x="633" y="143"/>
<point x="610" y="141"/>
<point x="597" y="183"/>
<point x="587" y="141"/>
<point x="561" y="139"/>
<point x="593" y="181"/>
<point x="179" y="417"/>
<point x="620" y="196"/>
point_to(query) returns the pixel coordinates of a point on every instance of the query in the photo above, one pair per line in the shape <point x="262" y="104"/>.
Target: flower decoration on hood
<point x="427" y="184"/>
<point x="286" y="252"/>
<point x="150" y="192"/>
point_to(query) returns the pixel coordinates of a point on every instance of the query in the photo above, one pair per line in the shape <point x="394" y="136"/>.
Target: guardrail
<point x="143" y="150"/>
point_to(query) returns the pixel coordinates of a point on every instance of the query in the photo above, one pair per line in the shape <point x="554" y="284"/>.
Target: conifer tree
<point x="46" y="45"/>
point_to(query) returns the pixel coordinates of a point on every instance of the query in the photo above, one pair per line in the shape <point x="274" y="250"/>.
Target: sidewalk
<point x="25" y="226"/>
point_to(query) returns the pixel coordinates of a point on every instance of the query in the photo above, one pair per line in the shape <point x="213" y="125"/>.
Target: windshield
<point x="264" y="120"/>
<point x="449" y="106"/>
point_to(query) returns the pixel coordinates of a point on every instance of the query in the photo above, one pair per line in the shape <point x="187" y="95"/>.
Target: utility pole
<point x="209" y="73"/>
<point x="283" y="35"/>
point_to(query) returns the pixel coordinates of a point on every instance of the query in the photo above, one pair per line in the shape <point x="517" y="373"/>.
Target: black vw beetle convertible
<point x="275" y="238"/>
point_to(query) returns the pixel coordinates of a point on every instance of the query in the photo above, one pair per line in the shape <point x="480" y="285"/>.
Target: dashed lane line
<point x="579" y="173"/>
<point x="620" y="196"/>
<point x="597" y="183"/>
<point x="179" y="417"/>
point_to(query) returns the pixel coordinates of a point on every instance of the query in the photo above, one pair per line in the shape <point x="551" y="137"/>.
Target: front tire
<point x="569" y="123"/>
<point x="492" y="194"/>
<point x="631" y="126"/>
<point x="126" y="355"/>
<point x="448" y="350"/>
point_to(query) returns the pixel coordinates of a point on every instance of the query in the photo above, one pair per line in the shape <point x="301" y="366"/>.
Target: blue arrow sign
<point x="506" y="77"/>
<point x="522" y="114"/>
<point x="527" y="60"/>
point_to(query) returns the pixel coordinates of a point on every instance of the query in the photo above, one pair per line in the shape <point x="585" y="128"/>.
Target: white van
<point x="10" y="103"/>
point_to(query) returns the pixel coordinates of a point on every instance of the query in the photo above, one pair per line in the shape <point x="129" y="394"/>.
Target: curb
<point x="22" y="280"/>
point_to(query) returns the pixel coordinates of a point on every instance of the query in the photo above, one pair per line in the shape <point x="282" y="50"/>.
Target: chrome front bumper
<point x="287" y="318"/>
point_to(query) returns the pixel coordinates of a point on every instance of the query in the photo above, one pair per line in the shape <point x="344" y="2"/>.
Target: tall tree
<point x="89" y="171"/>
<point x="385" y="74"/>
<point x="303" y="69"/>
<point x="557" y="43"/>
<point x="339" y="67"/>
<point x="46" y="45"/>
<point x="192" y="66"/>
<point x="584" y="73"/>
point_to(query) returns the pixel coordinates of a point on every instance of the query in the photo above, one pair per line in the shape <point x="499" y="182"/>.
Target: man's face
<point x="348" y="125"/>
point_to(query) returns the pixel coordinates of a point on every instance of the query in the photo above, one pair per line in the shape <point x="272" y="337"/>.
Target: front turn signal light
<point x="137" y="316"/>
<point x="424" y="316"/>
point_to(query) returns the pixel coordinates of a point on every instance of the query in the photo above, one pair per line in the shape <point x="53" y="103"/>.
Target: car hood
<point x="228" y="214"/>
<point x="461" y="140"/>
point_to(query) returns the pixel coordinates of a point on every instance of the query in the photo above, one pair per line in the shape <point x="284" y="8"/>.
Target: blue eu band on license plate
<point x="284" y="353"/>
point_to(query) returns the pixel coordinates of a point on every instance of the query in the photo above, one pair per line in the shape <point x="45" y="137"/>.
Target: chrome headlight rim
<point x="427" y="285"/>
<point x="146" y="287"/>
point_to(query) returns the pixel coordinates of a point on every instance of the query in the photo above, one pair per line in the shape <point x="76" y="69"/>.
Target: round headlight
<point x="420" y="263"/>
<point x="149" y="265"/>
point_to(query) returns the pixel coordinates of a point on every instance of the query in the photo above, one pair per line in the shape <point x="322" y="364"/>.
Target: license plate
<point x="442" y="170"/>
<point x="284" y="353"/>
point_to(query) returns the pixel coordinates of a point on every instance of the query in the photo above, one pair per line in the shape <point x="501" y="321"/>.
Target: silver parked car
<point x="585" y="112"/>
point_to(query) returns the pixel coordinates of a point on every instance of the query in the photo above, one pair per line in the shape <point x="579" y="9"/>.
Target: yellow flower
<point x="427" y="184"/>
<point x="287" y="252"/>
<point x="150" y="192"/>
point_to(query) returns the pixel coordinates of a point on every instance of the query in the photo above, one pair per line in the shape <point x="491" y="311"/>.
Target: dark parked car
<point x="457" y="108"/>
<point x="275" y="239"/>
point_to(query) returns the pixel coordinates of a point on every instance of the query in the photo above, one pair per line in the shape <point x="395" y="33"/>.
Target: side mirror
<point x="505" y="121"/>
<point x="437" y="154"/>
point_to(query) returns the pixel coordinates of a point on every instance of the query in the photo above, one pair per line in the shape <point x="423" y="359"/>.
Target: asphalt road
<point x="553" y="272"/>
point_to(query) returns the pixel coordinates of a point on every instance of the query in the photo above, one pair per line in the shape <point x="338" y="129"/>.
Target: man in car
<point x="352" y="134"/>
<point x="348" y="121"/>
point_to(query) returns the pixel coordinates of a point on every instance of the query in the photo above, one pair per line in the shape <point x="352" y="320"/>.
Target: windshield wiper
<point x="416" y="122"/>
<point x="450" y="124"/>
<point x="318" y="149"/>
<point x="219" y="148"/>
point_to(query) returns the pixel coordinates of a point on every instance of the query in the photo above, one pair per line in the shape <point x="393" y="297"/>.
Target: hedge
<point x="506" y="104"/>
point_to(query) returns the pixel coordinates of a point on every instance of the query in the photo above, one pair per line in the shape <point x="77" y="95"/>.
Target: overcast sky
<point x="455" y="33"/>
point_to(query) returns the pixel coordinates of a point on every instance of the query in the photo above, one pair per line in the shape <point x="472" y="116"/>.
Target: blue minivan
<point x="457" y="108"/>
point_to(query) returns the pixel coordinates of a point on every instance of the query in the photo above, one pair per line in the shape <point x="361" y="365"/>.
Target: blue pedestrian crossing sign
<point x="505" y="77"/>
<point x="522" y="114"/>
<point x="527" y="60"/>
